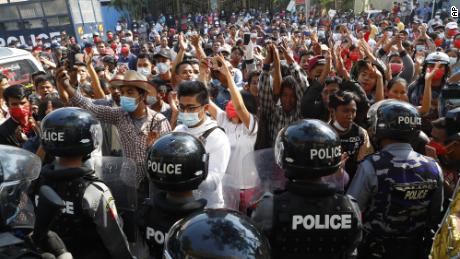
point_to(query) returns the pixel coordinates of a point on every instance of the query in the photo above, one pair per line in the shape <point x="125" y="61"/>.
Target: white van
<point x="18" y="65"/>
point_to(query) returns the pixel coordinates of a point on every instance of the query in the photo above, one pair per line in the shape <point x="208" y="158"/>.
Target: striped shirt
<point x="271" y="109"/>
<point x="133" y="139"/>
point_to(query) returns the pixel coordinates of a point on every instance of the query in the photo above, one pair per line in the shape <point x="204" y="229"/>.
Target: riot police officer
<point x="311" y="218"/>
<point x="89" y="224"/>
<point x="18" y="168"/>
<point x="399" y="190"/>
<point x="217" y="234"/>
<point x="177" y="164"/>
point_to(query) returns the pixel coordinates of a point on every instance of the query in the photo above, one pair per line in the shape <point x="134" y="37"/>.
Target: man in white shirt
<point x="193" y="104"/>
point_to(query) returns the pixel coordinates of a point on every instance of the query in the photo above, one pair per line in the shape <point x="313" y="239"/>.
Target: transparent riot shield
<point x="119" y="174"/>
<point x="262" y="169"/>
<point x="231" y="192"/>
<point x="262" y="172"/>
<point x="18" y="168"/>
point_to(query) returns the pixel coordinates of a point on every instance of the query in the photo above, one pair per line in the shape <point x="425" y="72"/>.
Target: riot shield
<point x="18" y="168"/>
<point x="231" y="192"/>
<point x="119" y="174"/>
<point x="262" y="172"/>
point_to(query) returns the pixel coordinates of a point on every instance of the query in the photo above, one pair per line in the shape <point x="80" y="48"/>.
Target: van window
<point x="19" y="71"/>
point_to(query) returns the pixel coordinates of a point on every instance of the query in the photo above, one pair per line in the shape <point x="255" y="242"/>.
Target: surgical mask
<point x="396" y="68"/>
<point x="441" y="35"/>
<point x="453" y="60"/>
<point x="162" y="68"/>
<point x="128" y="104"/>
<point x="151" y="100"/>
<point x="190" y="119"/>
<point x="437" y="17"/>
<point x="145" y="71"/>
<point x="339" y="127"/>
<point x="322" y="34"/>
<point x="308" y="42"/>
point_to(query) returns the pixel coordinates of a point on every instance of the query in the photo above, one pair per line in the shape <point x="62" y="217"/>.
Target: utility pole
<point x="307" y="9"/>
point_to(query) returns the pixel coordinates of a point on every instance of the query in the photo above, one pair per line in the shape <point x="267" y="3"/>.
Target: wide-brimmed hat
<point x="134" y="79"/>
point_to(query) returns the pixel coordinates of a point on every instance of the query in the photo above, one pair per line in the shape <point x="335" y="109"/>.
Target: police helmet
<point x="215" y="233"/>
<point x="372" y="115"/>
<point x="419" y="141"/>
<point x="69" y="132"/>
<point x="18" y="168"/>
<point x="308" y="148"/>
<point x="177" y="162"/>
<point x="396" y="120"/>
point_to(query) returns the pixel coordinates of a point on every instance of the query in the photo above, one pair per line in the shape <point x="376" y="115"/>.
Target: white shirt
<point x="242" y="140"/>
<point x="218" y="148"/>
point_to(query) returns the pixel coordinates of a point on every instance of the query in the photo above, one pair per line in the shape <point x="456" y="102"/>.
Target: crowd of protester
<point x="262" y="72"/>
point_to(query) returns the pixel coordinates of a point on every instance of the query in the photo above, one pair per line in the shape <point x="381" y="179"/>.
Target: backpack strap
<point x="208" y="132"/>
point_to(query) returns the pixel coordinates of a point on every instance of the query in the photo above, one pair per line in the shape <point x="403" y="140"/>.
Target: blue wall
<point x="110" y="17"/>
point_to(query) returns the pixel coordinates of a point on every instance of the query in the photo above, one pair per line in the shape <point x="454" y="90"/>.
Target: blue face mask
<point x="128" y="104"/>
<point x="190" y="119"/>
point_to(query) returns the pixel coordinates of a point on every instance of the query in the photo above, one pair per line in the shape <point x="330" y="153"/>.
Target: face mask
<point x="151" y="100"/>
<point x="78" y="78"/>
<point x="190" y="119"/>
<point x="437" y="17"/>
<point x="438" y="75"/>
<point x="321" y="34"/>
<point x="438" y="42"/>
<point x="308" y="42"/>
<point x="128" y="104"/>
<point x="457" y="43"/>
<point x="452" y="33"/>
<point x="440" y="149"/>
<point x="453" y="60"/>
<point x="441" y="35"/>
<point x="396" y="68"/>
<point x="145" y="71"/>
<point x="339" y="127"/>
<point x="163" y="68"/>
<point x="354" y="56"/>
<point x="21" y="115"/>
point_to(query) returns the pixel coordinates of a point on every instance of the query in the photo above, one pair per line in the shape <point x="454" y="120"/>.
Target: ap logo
<point x="454" y="12"/>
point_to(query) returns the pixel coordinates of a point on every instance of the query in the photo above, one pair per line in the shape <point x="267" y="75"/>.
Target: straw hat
<point x="134" y="79"/>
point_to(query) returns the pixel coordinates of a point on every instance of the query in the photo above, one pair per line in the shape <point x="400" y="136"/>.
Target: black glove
<point x="51" y="243"/>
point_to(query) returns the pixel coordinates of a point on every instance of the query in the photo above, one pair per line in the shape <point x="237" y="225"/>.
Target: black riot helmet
<point x="70" y="132"/>
<point x="372" y="116"/>
<point x="18" y="168"/>
<point x="396" y="120"/>
<point x="308" y="148"/>
<point x="177" y="162"/>
<point x="216" y="234"/>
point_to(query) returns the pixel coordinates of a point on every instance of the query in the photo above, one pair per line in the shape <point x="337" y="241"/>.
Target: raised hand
<point x="430" y="74"/>
<point x="182" y="43"/>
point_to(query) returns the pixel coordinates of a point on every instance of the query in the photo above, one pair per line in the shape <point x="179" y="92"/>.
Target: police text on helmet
<point x="53" y="136"/>
<point x="165" y="168"/>
<point x="409" y="120"/>
<point x="323" y="153"/>
<point x="158" y="236"/>
<point x="336" y="221"/>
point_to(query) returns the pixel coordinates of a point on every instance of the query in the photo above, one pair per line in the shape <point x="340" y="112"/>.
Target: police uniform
<point x="309" y="220"/>
<point x="157" y="216"/>
<point x="89" y="225"/>
<point x="399" y="190"/>
<point x="177" y="165"/>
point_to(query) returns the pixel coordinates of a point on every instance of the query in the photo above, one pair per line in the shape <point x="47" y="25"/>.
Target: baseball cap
<point x="451" y="26"/>
<point x="163" y="53"/>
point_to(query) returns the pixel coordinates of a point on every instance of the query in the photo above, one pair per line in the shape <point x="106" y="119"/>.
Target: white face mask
<point x="336" y="36"/>
<point x="308" y="42"/>
<point x="437" y="17"/>
<point x="145" y="71"/>
<point x="453" y="60"/>
<point x="162" y="68"/>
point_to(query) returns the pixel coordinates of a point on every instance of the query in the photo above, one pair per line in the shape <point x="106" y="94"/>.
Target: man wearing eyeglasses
<point x="193" y="104"/>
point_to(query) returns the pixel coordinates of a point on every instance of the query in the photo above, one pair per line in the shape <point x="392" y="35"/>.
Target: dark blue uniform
<point x="400" y="193"/>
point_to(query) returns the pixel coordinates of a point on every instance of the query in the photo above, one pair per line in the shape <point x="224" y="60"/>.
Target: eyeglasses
<point x="182" y="108"/>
